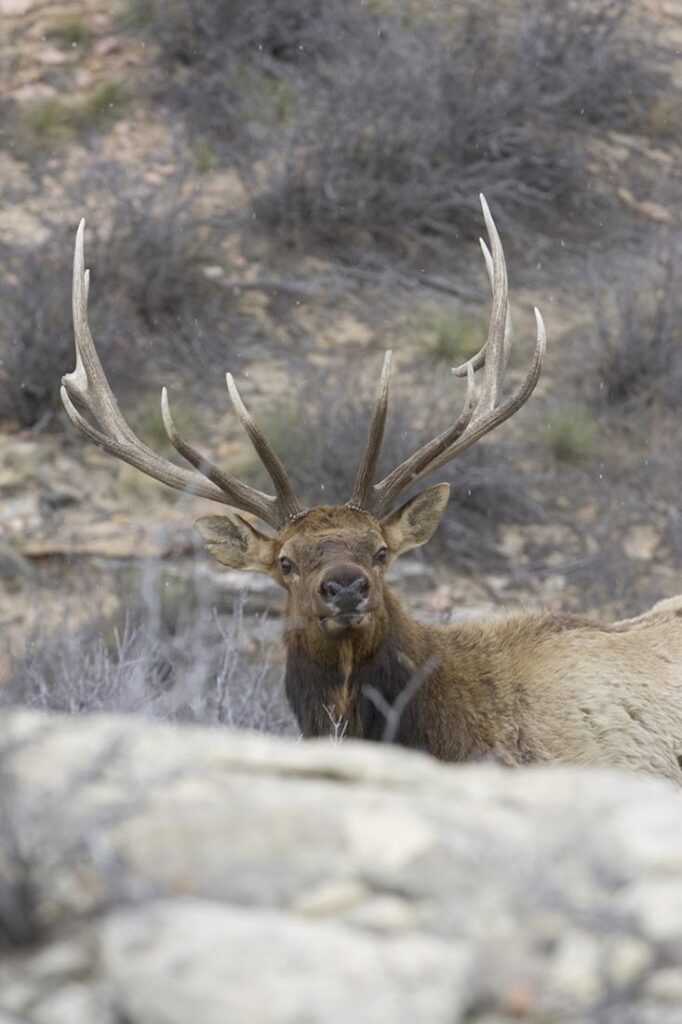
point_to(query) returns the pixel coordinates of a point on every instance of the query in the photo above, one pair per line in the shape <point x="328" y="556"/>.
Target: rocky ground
<point x="174" y="874"/>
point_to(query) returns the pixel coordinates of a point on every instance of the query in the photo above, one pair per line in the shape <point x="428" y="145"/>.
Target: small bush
<point x="102" y="106"/>
<point x="639" y="336"/>
<point x="154" y="254"/>
<point x="70" y="31"/>
<point x="320" y="442"/>
<point x="40" y="126"/>
<point x="147" y="282"/>
<point x="172" y="658"/>
<point x="36" y="333"/>
<point x="35" y="330"/>
<point x="453" y="339"/>
<point x="233" y="67"/>
<point x="571" y="435"/>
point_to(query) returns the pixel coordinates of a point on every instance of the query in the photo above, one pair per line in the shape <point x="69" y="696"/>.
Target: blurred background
<point x="283" y="189"/>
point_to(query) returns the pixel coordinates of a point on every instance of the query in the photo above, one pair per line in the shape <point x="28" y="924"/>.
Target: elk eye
<point x="380" y="556"/>
<point x="287" y="566"/>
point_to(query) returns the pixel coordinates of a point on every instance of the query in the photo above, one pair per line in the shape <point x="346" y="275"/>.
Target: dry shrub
<point x="185" y="663"/>
<point x="233" y="67"/>
<point x="638" y="322"/>
<point x="149" y="294"/>
<point x="412" y="124"/>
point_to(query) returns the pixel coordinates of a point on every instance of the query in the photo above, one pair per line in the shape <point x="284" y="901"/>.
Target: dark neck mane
<point x="335" y="688"/>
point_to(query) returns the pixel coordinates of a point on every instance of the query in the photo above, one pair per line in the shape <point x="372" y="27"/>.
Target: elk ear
<point x="234" y="542"/>
<point x="415" y="522"/>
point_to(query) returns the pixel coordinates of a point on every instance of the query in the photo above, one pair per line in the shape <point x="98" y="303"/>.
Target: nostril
<point x="345" y="595"/>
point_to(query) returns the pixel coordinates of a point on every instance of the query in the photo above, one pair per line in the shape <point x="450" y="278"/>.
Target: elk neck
<point x="450" y="684"/>
<point x="328" y="677"/>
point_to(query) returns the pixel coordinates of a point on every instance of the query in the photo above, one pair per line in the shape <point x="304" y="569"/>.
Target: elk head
<point x="330" y="559"/>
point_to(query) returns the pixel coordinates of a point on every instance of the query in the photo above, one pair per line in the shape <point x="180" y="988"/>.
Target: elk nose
<point x="344" y="587"/>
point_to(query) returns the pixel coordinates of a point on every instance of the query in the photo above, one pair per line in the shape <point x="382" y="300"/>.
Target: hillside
<point x="225" y="230"/>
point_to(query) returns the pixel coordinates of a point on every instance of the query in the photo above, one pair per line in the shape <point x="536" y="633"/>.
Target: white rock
<point x="186" y="960"/>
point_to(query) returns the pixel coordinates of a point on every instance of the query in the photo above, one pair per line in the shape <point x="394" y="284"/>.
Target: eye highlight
<point x="380" y="556"/>
<point x="287" y="566"/>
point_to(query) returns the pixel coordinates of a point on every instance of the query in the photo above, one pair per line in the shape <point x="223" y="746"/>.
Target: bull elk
<point x="520" y="688"/>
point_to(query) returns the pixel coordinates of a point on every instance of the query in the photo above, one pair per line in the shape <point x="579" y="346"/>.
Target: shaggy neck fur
<point x="348" y="683"/>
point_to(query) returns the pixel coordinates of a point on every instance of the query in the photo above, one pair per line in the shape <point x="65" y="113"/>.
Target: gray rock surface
<point x="188" y="959"/>
<point x="188" y="875"/>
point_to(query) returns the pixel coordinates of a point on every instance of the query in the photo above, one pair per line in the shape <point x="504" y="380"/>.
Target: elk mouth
<point x="340" y="622"/>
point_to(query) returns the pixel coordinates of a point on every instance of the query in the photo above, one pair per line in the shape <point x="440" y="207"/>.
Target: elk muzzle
<point x="344" y="590"/>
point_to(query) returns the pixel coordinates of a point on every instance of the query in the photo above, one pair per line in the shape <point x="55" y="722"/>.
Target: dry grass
<point x="172" y="657"/>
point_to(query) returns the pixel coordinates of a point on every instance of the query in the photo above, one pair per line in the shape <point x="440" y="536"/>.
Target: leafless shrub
<point x="34" y="330"/>
<point x="295" y="32"/>
<point x="149" y="290"/>
<point x="413" y="123"/>
<point x="638" y="342"/>
<point x="233" y="66"/>
<point x="591" y="60"/>
<point x="193" y="666"/>
<point x="36" y="336"/>
<point x="320" y="442"/>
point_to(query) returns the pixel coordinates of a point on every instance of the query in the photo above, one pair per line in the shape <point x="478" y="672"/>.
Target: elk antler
<point x="87" y="386"/>
<point x="482" y="411"/>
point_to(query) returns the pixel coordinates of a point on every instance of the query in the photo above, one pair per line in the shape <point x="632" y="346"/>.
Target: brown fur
<point x="521" y="688"/>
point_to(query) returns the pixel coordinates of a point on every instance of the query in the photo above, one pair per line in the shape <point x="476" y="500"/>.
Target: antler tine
<point x="362" y="488"/>
<point x="88" y="382"/>
<point x="243" y="496"/>
<point x="483" y="424"/>
<point x="477" y="361"/>
<point x="405" y="474"/>
<point x="88" y="387"/>
<point x="508" y="326"/>
<point x="494" y="361"/>
<point x="288" y="502"/>
<point x="481" y="412"/>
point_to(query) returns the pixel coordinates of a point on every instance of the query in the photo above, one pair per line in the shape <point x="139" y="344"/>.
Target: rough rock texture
<point x="179" y="874"/>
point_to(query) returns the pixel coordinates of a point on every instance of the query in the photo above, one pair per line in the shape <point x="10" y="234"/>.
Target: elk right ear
<point x="234" y="542"/>
<point x="415" y="522"/>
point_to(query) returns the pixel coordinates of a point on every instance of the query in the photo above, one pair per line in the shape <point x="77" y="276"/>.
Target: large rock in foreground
<point x="187" y="876"/>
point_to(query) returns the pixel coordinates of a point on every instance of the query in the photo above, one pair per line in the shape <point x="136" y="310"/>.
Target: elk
<point x="519" y="688"/>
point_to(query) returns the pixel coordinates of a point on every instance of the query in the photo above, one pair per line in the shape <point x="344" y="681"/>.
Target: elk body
<point x="521" y="688"/>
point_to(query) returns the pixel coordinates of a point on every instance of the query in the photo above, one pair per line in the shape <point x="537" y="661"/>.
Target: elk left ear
<point x="415" y="522"/>
<point x="236" y="543"/>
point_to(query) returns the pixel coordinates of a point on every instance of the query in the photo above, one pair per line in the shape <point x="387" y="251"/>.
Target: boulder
<point x="183" y="874"/>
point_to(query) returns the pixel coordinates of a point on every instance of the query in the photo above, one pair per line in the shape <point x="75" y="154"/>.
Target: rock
<point x="274" y="881"/>
<point x="182" y="960"/>
<point x="646" y="207"/>
<point x="640" y="542"/>
<point x="12" y="8"/>
<point x="112" y="539"/>
<point x="657" y="904"/>
<point x="109" y="44"/>
<point x="52" y="56"/>
<point x="12" y="565"/>
<point x="666" y="985"/>
<point x="73" y="1004"/>
<point x="33" y="91"/>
